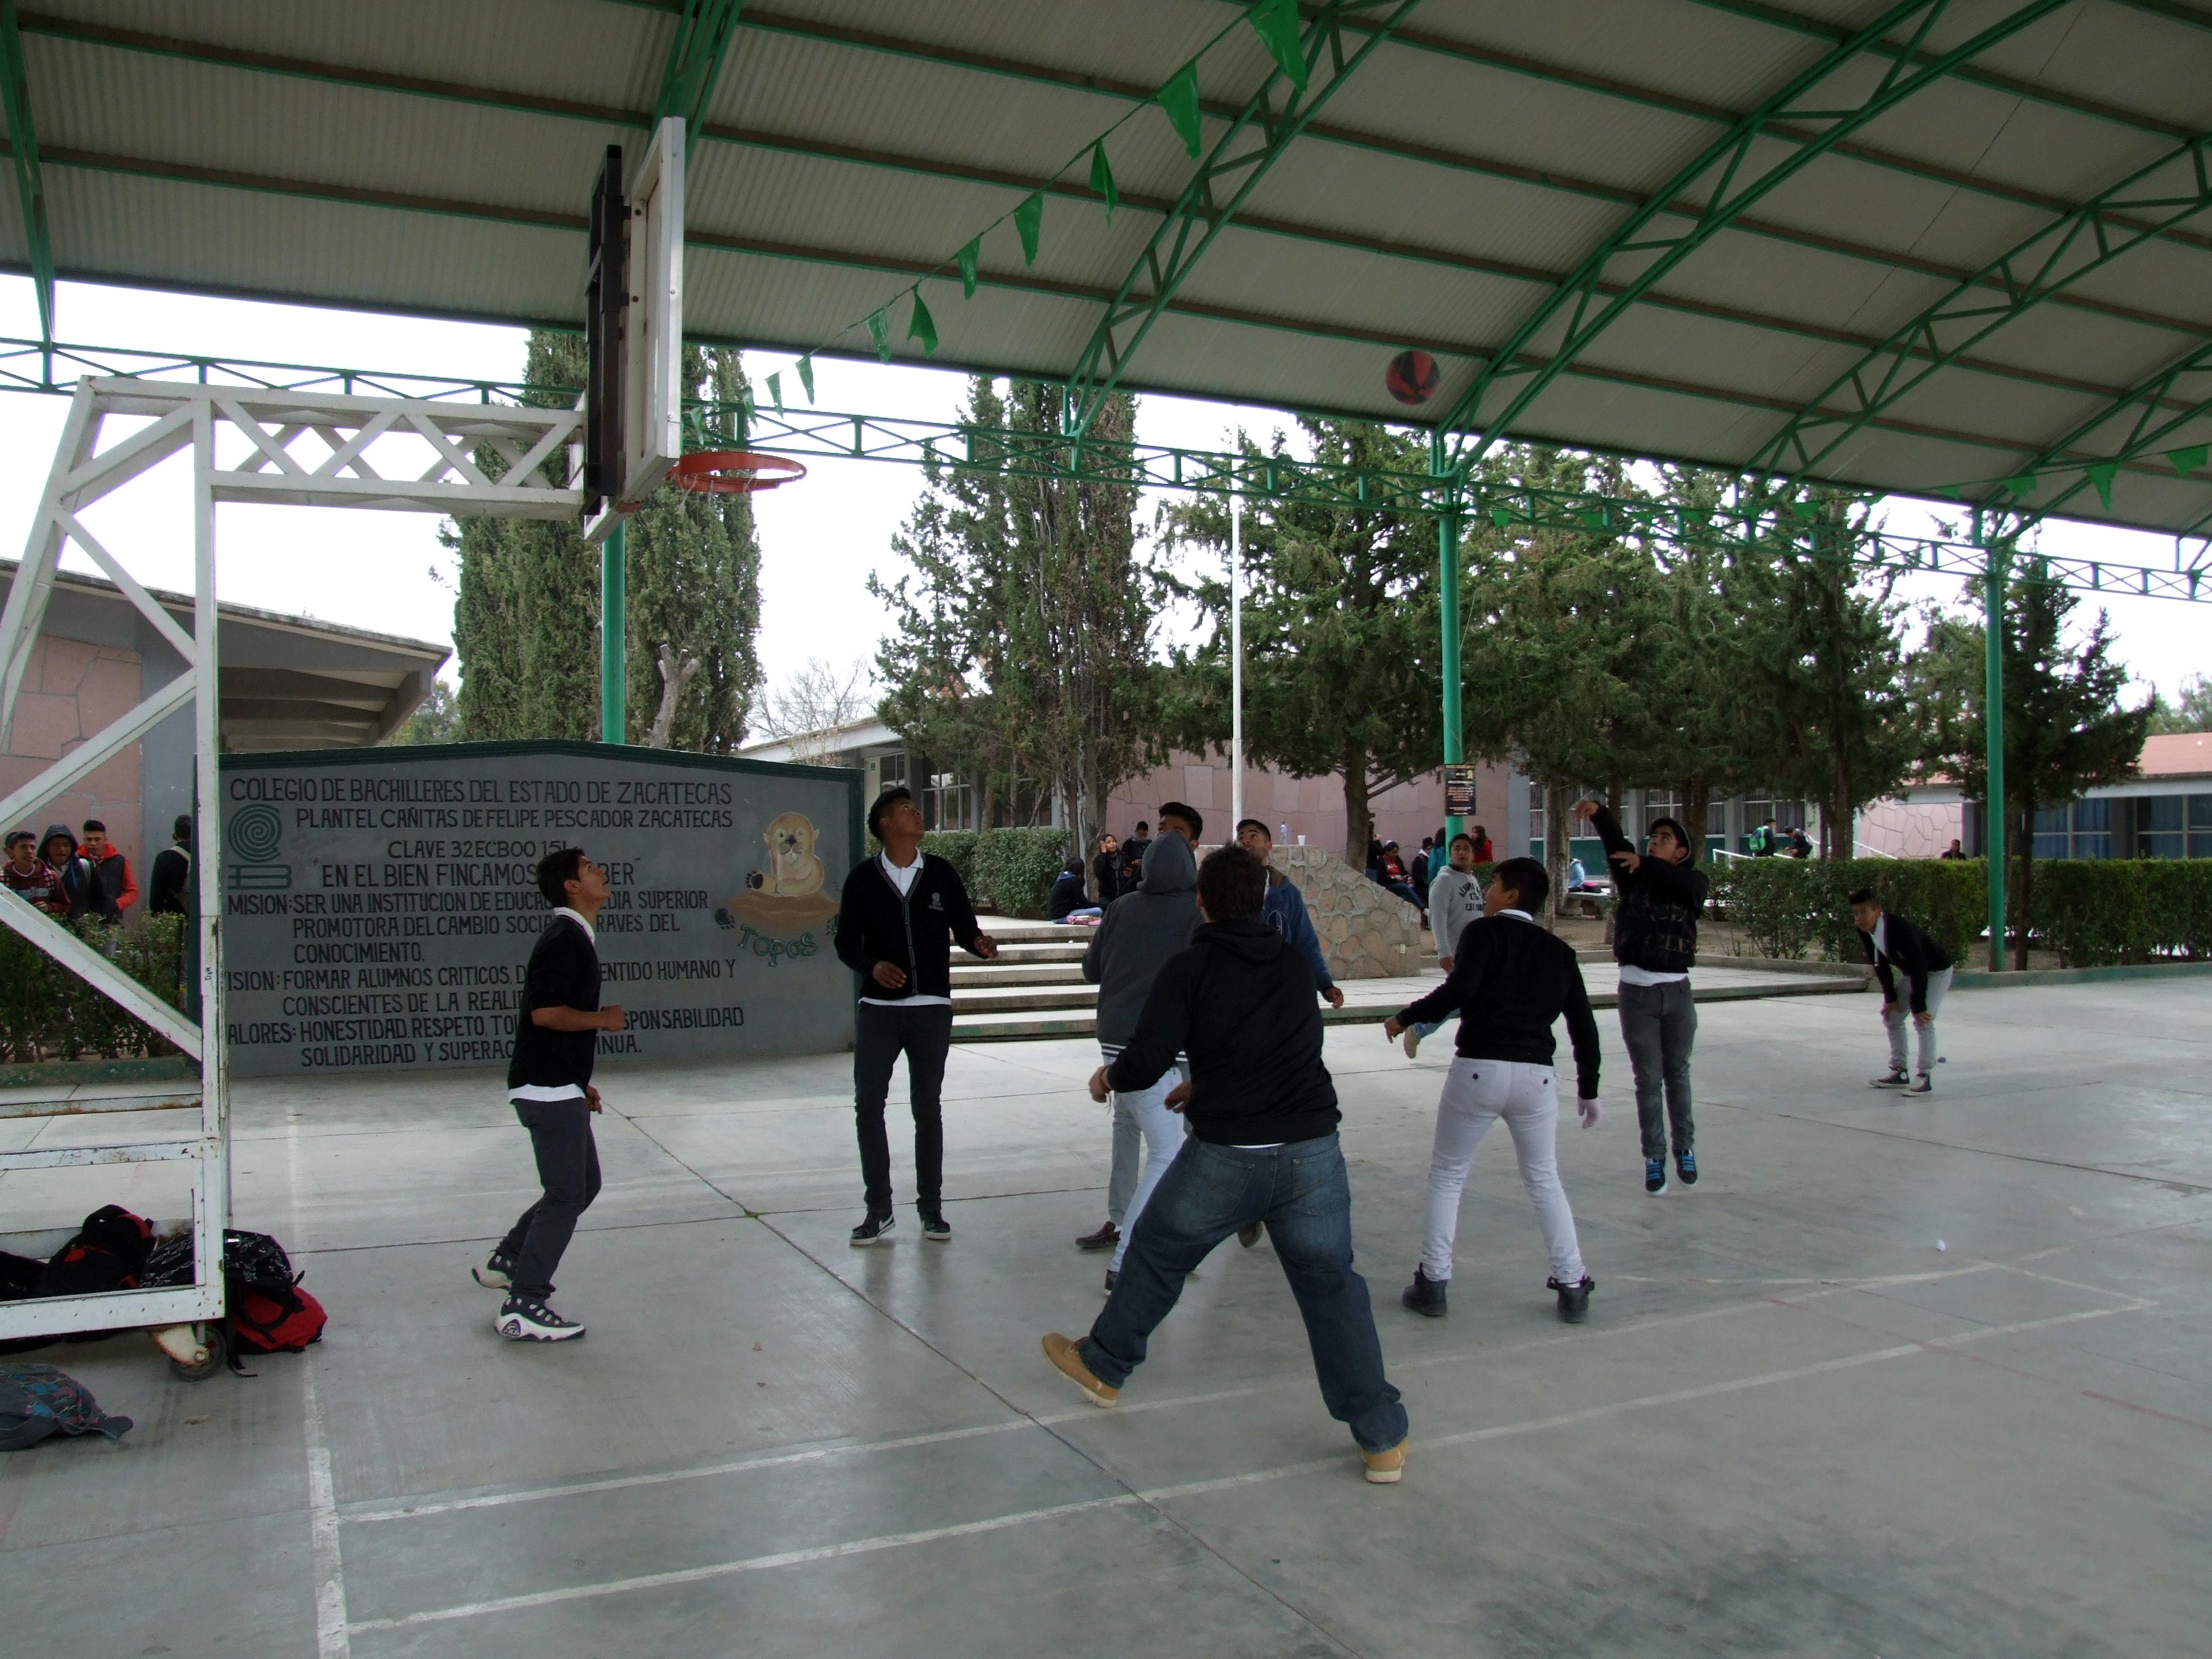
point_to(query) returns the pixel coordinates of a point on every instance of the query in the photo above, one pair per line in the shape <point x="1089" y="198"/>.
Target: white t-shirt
<point x="1631" y="974"/>
<point x="903" y="877"/>
<point x="557" y="1090"/>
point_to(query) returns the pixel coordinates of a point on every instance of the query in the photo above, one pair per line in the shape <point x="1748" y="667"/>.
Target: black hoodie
<point x="1241" y="1003"/>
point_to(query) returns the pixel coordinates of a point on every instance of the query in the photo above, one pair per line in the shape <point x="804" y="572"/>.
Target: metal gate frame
<point x="484" y="460"/>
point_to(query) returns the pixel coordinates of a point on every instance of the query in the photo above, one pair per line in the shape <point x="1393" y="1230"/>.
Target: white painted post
<point x="1235" y="663"/>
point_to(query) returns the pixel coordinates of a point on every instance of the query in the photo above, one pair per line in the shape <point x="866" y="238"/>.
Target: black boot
<point x="1426" y="1295"/>
<point x="1574" y="1299"/>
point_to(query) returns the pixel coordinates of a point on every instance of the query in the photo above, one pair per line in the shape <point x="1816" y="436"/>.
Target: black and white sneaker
<point x="873" y="1230"/>
<point x="1574" y="1299"/>
<point x="1112" y="1280"/>
<point x="1922" y="1085"/>
<point x="496" y="1274"/>
<point x="1889" y="1080"/>
<point x="934" y="1227"/>
<point x="533" y="1321"/>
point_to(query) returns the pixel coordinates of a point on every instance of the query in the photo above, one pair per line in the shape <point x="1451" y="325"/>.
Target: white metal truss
<point x="319" y="449"/>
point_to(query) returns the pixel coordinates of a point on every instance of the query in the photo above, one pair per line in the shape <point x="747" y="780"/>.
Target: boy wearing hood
<point x="1263" y="1147"/>
<point x="1141" y="932"/>
<point x="80" y="880"/>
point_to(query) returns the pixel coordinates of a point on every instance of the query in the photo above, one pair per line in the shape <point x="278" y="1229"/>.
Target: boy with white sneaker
<point x="1894" y="943"/>
<point x="550" y="1081"/>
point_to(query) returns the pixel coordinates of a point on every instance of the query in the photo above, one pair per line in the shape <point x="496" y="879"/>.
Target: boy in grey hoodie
<point x="1141" y="930"/>
<point x="1454" y="900"/>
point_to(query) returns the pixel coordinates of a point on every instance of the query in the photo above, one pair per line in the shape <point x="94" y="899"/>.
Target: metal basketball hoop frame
<point x="734" y="471"/>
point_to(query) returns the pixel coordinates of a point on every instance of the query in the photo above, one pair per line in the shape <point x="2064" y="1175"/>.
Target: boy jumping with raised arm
<point x="1510" y="981"/>
<point x="557" y="1031"/>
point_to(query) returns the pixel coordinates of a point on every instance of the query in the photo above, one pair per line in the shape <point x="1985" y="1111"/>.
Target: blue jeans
<point x="1300" y="1191"/>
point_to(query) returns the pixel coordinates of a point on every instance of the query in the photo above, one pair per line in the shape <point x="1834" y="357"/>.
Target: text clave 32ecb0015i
<point x="379" y="906"/>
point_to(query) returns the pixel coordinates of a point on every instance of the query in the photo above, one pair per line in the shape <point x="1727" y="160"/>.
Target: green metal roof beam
<point x="2149" y="399"/>
<point x="2059" y="255"/>
<point x="703" y="30"/>
<point x="1319" y="131"/>
<point x="1267" y="126"/>
<point x="30" y="183"/>
<point x="1730" y="176"/>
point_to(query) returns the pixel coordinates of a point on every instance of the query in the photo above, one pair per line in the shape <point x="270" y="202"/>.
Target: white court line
<point x="1189" y="1489"/>
<point x="408" y="1511"/>
<point x="332" y="1640"/>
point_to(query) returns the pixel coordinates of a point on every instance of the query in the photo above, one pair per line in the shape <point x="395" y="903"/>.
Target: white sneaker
<point x="533" y="1321"/>
<point x="1411" y="1042"/>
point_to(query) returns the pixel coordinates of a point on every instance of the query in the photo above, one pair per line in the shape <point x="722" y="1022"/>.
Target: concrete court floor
<point x="1791" y="1426"/>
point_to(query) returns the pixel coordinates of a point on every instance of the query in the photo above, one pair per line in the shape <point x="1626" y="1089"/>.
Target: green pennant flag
<point x="967" y="257"/>
<point x="1028" y="218"/>
<point x="1805" y="509"/>
<point x="1102" y="179"/>
<point x="806" y="375"/>
<point x="1277" y="24"/>
<point x="879" y="330"/>
<point x="776" y="390"/>
<point x="1501" y="517"/>
<point x="1179" y="98"/>
<point x="1595" y="519"/>
<point x="922" y="326"/>
<point x="2025" y="485"/>
<point x="2189" y="459"/>
<point x="2102" y="475"/>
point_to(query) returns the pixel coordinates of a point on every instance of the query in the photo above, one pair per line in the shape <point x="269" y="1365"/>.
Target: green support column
<point x="1993" y="812"/>
<point x="1448" y="604"/>
<point x="614" y="666"/>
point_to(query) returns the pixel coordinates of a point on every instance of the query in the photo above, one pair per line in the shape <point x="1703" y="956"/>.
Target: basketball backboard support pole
<point x="246" y="445"/>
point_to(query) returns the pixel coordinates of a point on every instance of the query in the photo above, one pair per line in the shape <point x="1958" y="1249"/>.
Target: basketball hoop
<point x="734" y="472"/>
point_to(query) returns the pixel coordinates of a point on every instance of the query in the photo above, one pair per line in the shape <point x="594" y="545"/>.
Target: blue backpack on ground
<point x="38" y="1402"/>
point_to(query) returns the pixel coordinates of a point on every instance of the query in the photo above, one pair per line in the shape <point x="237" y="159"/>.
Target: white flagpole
<point x="1235" y="663"/>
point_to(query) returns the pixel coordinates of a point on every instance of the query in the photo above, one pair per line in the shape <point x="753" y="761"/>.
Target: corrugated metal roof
<point x="422" y="156"/>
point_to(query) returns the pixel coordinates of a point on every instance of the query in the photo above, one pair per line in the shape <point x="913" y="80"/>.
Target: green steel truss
<point x="2188" y="381"/>
<point x="1267" y="126"/>
<point x="820" y="434"/>
<point x="2060" y="254"/>
<point x="1736" y="173"/>
<point x="30" y="185"/>
<point x="703" y="32"/>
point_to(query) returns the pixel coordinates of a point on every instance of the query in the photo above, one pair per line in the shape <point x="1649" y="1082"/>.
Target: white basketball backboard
<point x="652" y="390"/>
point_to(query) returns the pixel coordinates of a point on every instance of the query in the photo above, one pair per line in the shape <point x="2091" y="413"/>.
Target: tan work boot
<point x="1069" y="1364"/>
<point x="1386" y="1467"/>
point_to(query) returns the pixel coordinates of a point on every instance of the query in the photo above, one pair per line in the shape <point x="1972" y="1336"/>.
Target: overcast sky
<point x="819" y="538"/>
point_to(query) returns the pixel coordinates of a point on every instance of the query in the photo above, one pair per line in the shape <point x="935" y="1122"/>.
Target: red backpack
<point x="268" y="1312"/>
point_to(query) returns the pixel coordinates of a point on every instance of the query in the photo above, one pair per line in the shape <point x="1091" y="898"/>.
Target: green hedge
<point x="2092" y="911"/>
<point x="1799" y="907"/>
<point x="46" y="1012"/>
<point x="1010" y="870"/>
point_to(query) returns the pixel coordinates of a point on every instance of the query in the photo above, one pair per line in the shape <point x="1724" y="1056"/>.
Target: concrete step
<point x="1013" y="1027"/>
<point x="1012" y="953"/>
<point x="1022" y="999"/>
<point x="1020" y="973"/>
<point x="1010" y="930"/>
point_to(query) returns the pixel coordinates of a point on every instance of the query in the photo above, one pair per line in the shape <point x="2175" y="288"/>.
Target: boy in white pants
<point x="1895" y="946"/>
<point x="1510" y="980"/>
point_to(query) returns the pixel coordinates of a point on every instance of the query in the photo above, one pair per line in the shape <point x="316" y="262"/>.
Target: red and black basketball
<point x="1413" y="377"/>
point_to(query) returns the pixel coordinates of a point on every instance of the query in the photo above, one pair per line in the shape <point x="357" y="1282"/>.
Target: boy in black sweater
<point x="1510" y="981"/>
<point x="900" y="913"/>
<point x="550" y="1081"/>
<point x="1891" y="943"/>
<point x="1262" y="1148"/>
<point x="1655" y="940"/>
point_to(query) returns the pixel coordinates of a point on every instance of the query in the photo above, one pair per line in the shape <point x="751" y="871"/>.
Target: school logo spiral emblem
<point x="254" y="839"/>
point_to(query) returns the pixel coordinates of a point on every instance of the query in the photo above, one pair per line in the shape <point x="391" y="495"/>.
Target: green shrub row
<point x="1011" y="871"/>
<point x="46" y="1012"/>
<point x="2092" y="911"/>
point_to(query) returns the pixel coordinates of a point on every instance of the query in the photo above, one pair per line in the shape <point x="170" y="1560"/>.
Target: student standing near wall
<point x="550" y="1081"/>
<point x="901" y="909"/>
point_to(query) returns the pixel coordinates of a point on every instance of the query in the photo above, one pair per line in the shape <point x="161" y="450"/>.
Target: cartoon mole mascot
<point x="789" y="892"/>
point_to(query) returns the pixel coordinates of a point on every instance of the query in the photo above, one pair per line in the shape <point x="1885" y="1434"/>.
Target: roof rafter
<point x="30" y="181"/>
<point x="703" y="30"/>
<point x="2059" y="255"/>
<point x="1267" y="126"/>
<point x="2147" y="401"/>
<point x="1731" y="173"/>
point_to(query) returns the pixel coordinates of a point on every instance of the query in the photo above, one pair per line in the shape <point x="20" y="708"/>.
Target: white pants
<point x="1163" y="1131"/>
<point x="1477" y="1091"/>
<point x="1899" y="1014"/>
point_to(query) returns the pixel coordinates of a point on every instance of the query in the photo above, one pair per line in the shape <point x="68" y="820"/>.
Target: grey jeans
<point x="1899" y="1014"/>
<point x="1659" y="1023"/>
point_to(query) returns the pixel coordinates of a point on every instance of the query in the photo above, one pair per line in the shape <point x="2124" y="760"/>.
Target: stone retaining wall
<point x="1367" y="932"/>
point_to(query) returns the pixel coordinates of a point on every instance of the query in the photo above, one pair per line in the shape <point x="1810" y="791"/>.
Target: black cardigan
<point x="1909" y="948"/>
<point x="1510" y="981"/>
<point x="874" y="925"/>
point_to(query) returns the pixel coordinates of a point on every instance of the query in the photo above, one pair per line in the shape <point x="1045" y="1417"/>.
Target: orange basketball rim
<point x="734" y="472"/>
